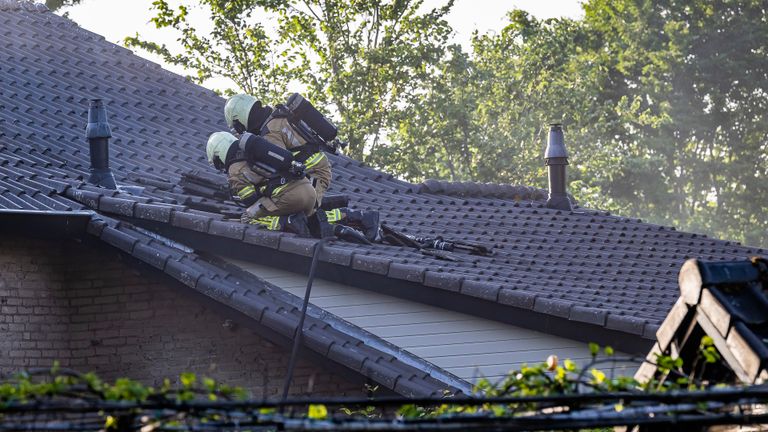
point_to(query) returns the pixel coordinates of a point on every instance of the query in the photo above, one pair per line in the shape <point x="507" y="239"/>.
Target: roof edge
<point x="625" y="333"/>
<point x="369" y="338"/>
<point x="25" y="5"/>
<point x="271" y="312"/>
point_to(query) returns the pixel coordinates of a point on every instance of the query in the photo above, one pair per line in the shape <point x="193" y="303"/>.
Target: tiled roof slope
<point x="50" y="69"/>
<point x="584" y="266"/>
<point x="489" y="190"/>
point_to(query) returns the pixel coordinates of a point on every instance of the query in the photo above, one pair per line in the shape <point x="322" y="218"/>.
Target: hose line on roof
<point x="300" y="329"/>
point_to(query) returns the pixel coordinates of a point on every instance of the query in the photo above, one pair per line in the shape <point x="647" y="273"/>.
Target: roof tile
<point x="89" y="198"/>
<point x="481" y="289"/>
<point x="150" y="255"/>
<point x="261" y="237"/>
<point x="350" y="356"/>
<point x="318" y="340"/>
<point x="252" y="305"/>
<point x="298" y="245"/>
<point x="588" y="315"/>
<point x="281" y="322"/>
<point x="336" y="254"/>
<point x="118" y="206"/>
<point x="551" y="306"/>
<point x="153" y="212"/>
<point x="517" y="298"/>
<point x="409" y="272"/>
<point x="233" y="230"/>
<point x="190" y="221"/>
<point x="443" y="280"/>
<point x="183" y="272"/>
<point x="118" y="239"/>
<point x="371" y="264"/>
<point x="626" y="324"/>
<point x="381" y="372"/>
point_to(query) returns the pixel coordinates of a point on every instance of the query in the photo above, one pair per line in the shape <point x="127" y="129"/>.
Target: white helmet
<point x="217" y="148"/>
<point x="238" y="108"/>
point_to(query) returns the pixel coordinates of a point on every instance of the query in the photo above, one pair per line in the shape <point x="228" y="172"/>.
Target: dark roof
<point x="489" y="190"/>
<point x="588" y="268"/>
<point x="726" y="301"/>
<point x="50" y="69"/>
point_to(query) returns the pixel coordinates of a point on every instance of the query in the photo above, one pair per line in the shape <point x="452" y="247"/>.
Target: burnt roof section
<point x="727" y="301"/>
<point x="584" y="267"/>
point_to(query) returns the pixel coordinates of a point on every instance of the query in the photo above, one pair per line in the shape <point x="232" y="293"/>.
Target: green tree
<point x="696" y="75"/>
<point x="56" y="5"/>
<point x="238" y="47"/>
<point x="360" y="60"/>
<point x="435" y="136"/>
<point x="664" y="104"/>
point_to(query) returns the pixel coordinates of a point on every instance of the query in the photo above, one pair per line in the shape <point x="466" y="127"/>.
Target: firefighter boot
<point x="319" y="225"/>
<point x="368" y="221"/>
<point x="349" y="234"/>
<point x="296" y="223"/>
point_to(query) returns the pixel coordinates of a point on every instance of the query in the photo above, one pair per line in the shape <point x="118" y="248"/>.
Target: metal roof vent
<point x="98" y="133"/>
<point x="556" y="159"/>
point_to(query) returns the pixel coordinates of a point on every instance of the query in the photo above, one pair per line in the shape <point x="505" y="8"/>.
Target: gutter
<point x="45" y="224"/>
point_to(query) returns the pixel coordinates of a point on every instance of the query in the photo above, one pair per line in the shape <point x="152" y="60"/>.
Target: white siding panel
<point x="465" y="345"/>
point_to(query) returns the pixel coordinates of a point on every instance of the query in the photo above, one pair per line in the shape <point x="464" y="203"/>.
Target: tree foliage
<point x="55" y="5"/>
<point x="665" y="103"/>
<point x="362" y="60"/>
<point x="74" y="401"/>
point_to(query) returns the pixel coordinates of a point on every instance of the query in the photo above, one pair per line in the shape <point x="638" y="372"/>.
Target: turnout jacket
<point x="278" y="131"/>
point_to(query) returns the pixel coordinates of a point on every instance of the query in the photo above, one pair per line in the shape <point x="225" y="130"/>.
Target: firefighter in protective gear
<point x="275" y="197"/>
<point x="245" y="113"/>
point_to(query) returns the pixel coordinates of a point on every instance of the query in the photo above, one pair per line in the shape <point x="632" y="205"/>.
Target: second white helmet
<point x="218" y="145"/>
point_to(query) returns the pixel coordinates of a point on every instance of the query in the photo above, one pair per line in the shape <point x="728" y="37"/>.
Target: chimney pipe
<point x="98" y="133"/>
<point x="556" y="159"/>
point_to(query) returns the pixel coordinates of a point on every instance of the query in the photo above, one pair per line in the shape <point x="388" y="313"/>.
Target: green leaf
<point x="188" y="379"/>
<point x="569" y="365"/>
<point x="317" y="412"/>
<point x="599" y="376"/>
<point x="594" y="349"/>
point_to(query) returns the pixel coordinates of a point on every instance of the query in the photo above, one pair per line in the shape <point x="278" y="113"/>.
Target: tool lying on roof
<point x="434" y="246"/>
<point x="214" y="186"/>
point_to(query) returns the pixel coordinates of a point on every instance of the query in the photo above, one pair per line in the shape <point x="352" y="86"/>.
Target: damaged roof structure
<point x="582" y="274"/>
<point x="726" y="301"/>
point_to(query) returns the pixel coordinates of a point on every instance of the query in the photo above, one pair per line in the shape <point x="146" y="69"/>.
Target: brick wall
<point x="85" y="307"/>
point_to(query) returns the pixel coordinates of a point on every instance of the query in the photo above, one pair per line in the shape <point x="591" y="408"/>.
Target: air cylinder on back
<point x="265" y="155"/>
<point x="303" y="110"/>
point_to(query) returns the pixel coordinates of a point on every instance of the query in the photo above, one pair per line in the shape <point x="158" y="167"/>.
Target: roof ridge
<point x="480" y="189"/>
<point x="27" y="5"/>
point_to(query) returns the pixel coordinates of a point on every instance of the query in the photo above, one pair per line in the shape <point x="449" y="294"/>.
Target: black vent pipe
<point x="98" y="133"/>
<point x="556" y="160"/>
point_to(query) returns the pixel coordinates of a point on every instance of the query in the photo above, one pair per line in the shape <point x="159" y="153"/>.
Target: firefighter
<point x="245" y="113"/>
<point x="264" y="178"/>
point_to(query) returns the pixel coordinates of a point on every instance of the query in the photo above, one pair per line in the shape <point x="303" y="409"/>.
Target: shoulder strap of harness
<point x="280" y="111"/>
<point x="237" y="156"/>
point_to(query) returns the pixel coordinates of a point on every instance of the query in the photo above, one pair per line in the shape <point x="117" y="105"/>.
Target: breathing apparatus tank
<point x="274" y="160"/>
<point x="304" y="111"/>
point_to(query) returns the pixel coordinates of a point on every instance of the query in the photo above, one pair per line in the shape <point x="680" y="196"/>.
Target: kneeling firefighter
<point x="265" y="179"/>
<point x="300" y="128"/>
